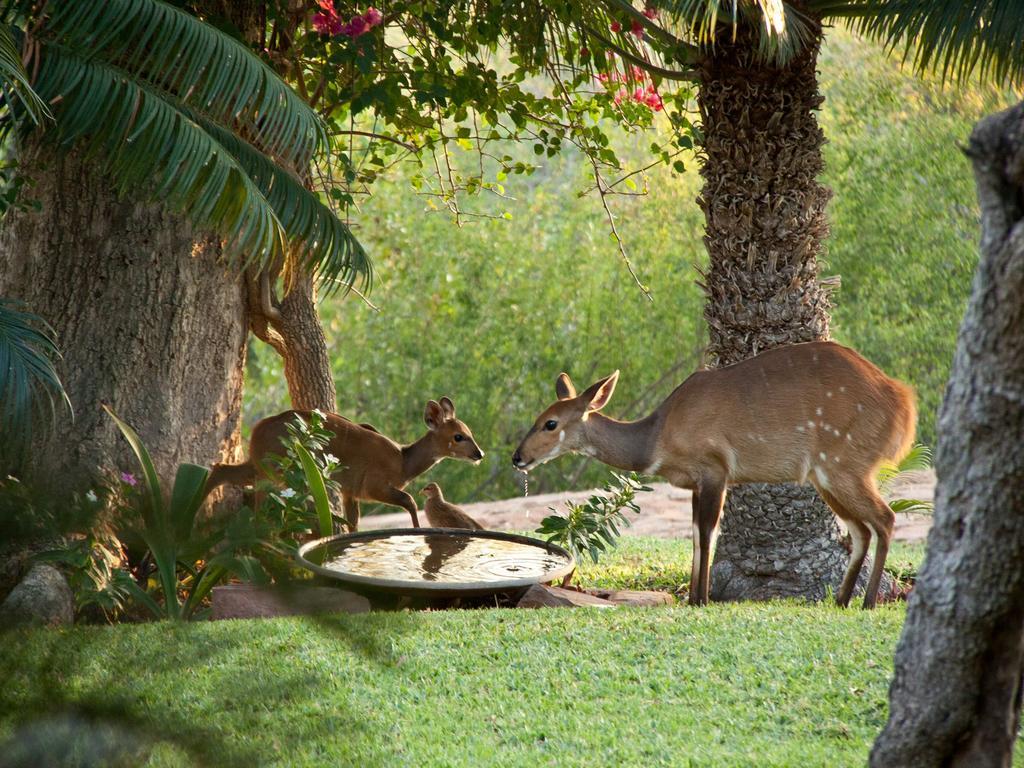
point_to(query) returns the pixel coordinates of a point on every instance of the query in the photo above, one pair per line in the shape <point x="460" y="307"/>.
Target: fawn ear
<point x="597" y="395"/>
<point x="563" y="387"/>
<point x="448" y="407"/>
<point x="433" y="415"/>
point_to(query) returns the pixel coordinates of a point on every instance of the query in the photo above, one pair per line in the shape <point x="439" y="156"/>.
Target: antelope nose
<point x="516" y="459"/>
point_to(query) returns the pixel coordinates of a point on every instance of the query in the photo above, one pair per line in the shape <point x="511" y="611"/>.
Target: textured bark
<point x="148" y="318"/>
<point x="292" y="327"/>
<point x="956" y="693"/>
<point x="765" y="215"/>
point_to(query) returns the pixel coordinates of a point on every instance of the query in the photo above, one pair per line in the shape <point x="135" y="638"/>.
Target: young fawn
<point x="373" y="467"/>
<point x="815" y="412"/>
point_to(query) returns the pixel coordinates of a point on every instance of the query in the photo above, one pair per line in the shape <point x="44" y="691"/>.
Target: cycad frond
<point x="149" y="144"/>
<point x="14" y="80"/>
<point x="180" y="54"/>
<point x="329" y="246"/>
<point x="781" y="31"/>
<point x="954" y="38"/>
<point x="28" y="377"/>
<point x="919" y="457"/>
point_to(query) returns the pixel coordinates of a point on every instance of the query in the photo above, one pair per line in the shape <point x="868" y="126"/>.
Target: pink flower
<point x="327" y="6"/>
<point x="636" y="29"/>
<point x="619" y="96"/>
<point x="636" y="72"/>
<point x="128" y="478"/>
<point x="650" y="11"/>
<point x="639" y="95"/>
<point x="326" y="24"/>
<point x="372" y="17"/>
<point x="653" y="100"/>
<point x="616" y="27"/>
<point x="602" y="77"/>
<point x="356" y="27"/>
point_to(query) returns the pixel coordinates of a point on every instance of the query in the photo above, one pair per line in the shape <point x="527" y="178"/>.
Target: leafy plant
<point x="592" y="527"/>
<point x="305" y="470"/>
<point x="918" y="458"/>
<point x="183" y="113"/>
<point x="186" y="568"/>
<point x="29" y="382"/>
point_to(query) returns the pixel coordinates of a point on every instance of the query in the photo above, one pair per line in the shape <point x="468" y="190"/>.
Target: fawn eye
<point x="550" y="424"/>
<point x="459" y="438"/>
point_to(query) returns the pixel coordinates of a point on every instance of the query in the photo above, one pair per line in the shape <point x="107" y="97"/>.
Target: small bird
<point x="441" y="514"/>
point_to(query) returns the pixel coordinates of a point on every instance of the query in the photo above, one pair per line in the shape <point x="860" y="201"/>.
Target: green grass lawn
<point x="744" y="684"/>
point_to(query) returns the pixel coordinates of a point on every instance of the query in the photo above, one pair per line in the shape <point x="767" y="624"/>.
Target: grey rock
<point x="43" y="597"/>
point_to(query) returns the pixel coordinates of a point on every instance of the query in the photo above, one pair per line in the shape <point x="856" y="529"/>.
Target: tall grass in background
<point x="490" y="313"/>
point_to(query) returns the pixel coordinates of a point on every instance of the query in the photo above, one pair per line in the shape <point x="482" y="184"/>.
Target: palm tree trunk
<point x="765" y="215"/>
<point x="955" y="698"/>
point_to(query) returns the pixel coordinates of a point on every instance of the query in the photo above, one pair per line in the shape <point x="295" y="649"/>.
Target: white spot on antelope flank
<point x="829" y="393"/>
<point x="815" y="358"/>
<point x="860" y="407"/>
<point x="799" y="427"/>
<point x="810" y="424"/>
<point x="836" y="459"/>
<point x="822" y="456"/>
<point x="730" y="460"/>
<point x="849" y="436"/>
<point x="817" y="411"/>
<point x="842" y="389"/>
<point x="822" y="477"/>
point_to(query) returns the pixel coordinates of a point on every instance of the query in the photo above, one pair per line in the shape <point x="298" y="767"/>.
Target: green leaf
<point x="149" y="144"/>
<point x="156" y="501"/>
<point x="14" y="79"/>
<point x="28" y="377"/>
<point x="177" y="52"/>
<point x="317" y="489"/>
<point x="186" y="498"/>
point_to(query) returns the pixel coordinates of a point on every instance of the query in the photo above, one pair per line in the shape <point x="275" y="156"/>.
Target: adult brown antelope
<point x="373" y="467"/>
<point x="815" y="412"/>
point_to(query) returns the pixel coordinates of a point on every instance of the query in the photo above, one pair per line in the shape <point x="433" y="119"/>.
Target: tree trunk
<point x="956" y="694"/>
<point x="148" y="319"/>
<point x="292" y="328"/>
<point x="765" y="219"/>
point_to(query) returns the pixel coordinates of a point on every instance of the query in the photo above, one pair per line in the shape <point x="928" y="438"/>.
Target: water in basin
<point x="447" y="558"/>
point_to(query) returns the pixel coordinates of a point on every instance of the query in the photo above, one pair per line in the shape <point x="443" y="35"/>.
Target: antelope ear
<point x="563" y="387"/>
<point x="448" y="407"/>
<point x="597" y="395"/>
<point x="433" y="415"/>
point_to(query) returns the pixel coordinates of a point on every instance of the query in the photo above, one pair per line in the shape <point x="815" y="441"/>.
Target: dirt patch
<point x="664" y="512"/>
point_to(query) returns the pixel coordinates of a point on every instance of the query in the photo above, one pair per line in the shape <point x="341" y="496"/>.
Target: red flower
<point x="616" y="27"/>
<point x="650" y="11"/>
<point x="584" y="52"/>
<point x="637" y="30"/>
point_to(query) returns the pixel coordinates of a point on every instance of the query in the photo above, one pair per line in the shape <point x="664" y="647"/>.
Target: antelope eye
<point x="550" y="424"/>
<point x="459" y="438"/>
